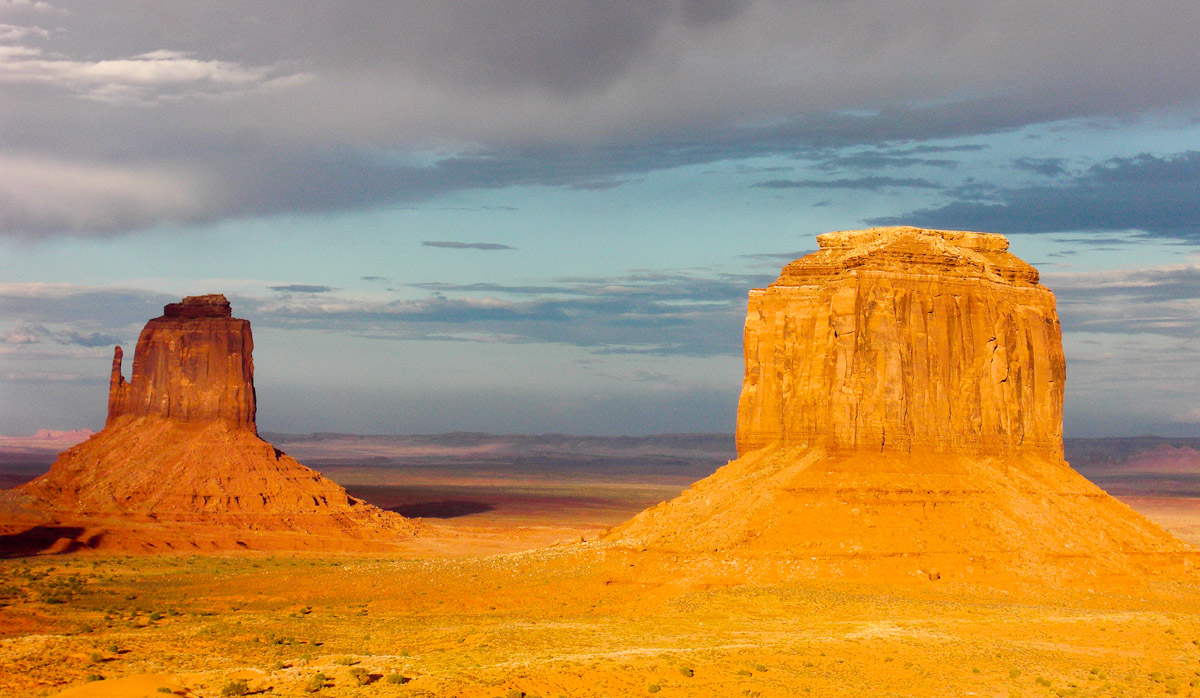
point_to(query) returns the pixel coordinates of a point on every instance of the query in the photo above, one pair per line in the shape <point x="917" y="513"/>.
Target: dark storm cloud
<point x="452" y="245"/>
<point x="122" y="115"/>
<point x="1156" y="195"/>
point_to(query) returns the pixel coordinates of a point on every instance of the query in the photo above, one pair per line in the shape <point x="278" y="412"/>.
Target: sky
<point x="530" y="217"/>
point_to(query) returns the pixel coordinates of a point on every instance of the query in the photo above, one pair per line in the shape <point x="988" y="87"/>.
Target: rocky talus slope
<point x="902" y="411"/>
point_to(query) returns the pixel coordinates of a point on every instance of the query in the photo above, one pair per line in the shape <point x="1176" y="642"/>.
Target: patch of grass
<point x="236" y="687"/>
<point x="360" y="676"/>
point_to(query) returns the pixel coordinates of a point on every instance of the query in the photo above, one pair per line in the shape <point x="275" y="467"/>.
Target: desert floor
<point x="503" y="600"/>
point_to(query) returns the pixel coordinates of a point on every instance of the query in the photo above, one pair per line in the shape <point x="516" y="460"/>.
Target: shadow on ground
<point x="46" y="539"/>
<point x="447" y="509"/>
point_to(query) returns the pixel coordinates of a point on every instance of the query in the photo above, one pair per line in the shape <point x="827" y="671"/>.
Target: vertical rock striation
<point x="904" y="339"/>
<point x="192" y="364"/>
<point x="901" y="413"/>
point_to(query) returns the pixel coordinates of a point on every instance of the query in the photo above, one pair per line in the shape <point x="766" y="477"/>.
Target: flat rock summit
<point x="180" y="458"/>
<point x="902" y="411"/>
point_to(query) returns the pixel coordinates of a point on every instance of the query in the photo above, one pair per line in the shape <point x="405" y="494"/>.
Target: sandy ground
<point x="502" y="601"/>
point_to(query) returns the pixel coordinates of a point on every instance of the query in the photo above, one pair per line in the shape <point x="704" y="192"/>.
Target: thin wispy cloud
<point x="454" y="245"/>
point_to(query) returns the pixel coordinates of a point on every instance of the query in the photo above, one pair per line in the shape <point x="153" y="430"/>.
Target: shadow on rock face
<point x="53" y="540"/>
<point x="447" y="509"/>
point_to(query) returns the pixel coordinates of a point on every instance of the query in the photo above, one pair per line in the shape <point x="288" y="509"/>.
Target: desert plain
<point x="502" y="599"/>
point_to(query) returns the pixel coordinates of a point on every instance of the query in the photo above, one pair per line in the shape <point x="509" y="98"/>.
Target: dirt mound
<point x="180" y="448"/>
<point x="902" y="411"/>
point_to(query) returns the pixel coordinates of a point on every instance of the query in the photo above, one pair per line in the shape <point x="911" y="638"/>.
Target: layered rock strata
<point x="181" y="445"/>
<point x="902" y="409"/>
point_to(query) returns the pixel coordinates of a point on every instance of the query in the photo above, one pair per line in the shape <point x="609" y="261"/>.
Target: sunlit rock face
<point x="192" y="364"/>
<point x="901" y="415"/>
<point x="902" y="339"/>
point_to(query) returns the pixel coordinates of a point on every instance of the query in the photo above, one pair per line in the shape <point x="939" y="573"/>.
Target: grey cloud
<point x="1161" y="301"/>
<point x="453" y="245"/>
<point x="872" y="160"/>
<point x="302" y="288"/>
<point x="776" y="256"/>
<point x="871" y="183"/>
<point x="1156" y="195"/>
<point x="659" y="313"/>
<point x="33" y="333"/>
<point x="1047" y="167"/>
<point x="558" y="94"/>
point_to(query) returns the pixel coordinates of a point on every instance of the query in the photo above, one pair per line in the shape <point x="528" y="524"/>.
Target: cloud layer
<point x="169" y="112"/>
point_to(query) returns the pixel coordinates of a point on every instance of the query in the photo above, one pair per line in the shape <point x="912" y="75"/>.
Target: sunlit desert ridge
<point x="899" y="514"/>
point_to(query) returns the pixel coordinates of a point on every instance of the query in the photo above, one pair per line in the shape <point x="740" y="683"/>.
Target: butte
<point x="179" y="464"/>
<point x="901" y="414"/>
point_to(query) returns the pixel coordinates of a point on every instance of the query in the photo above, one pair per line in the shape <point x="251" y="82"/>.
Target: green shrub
<point x="687" y="671"/>
<point x="345" y="661"/>
<point x="395" y="678"/>
<point x="96" y="657"/>
<point x="760" y="668"/>
<point x="163" y="689"/>
<point x="236" y="687"/>
<point x="360" y="676"/>
<point x="1014" y="673"/>
<point x="514" y="693"/>
<point x="93" y="677"/>
<point x="744" y="672"/>
<point x="316" y="683"/>
<point x="156" y="616"/>
<point x="654" y="688"/>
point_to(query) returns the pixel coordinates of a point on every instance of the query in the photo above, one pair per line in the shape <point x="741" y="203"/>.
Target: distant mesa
<point x="180" y="446"/>
<point x="901" y="411"/>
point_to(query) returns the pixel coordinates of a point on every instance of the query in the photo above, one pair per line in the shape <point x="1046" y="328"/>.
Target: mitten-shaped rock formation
<point x="902" y="409"/>
<point x="192" y="364"/>
<point x="180" y="444"/>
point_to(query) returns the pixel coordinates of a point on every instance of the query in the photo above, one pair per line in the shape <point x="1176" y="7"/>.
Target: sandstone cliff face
<point x="180" y="445"/>
<point x="902" y="413"/>
<point x="192" y="364"/>
<point x="904" y="339"/>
